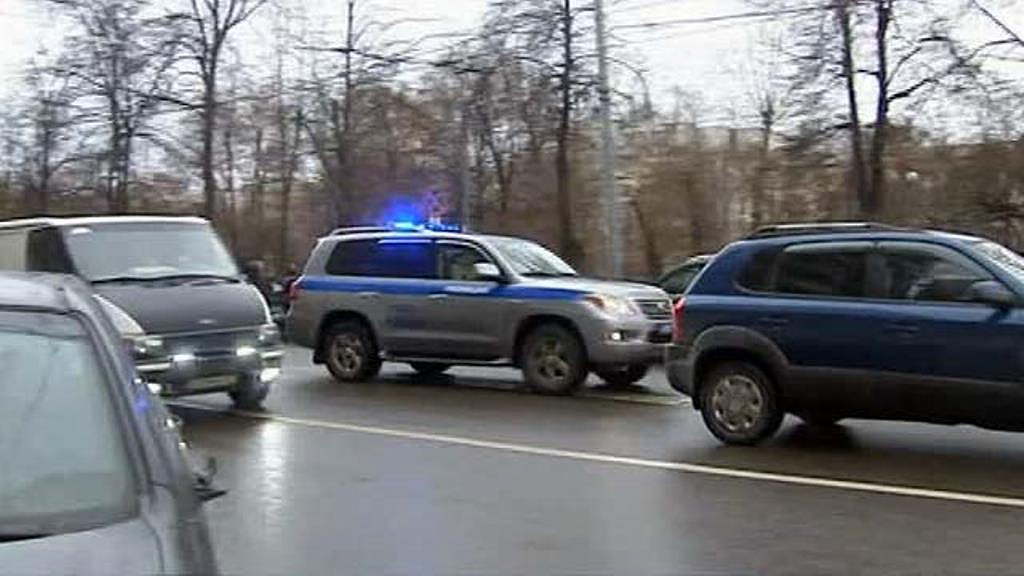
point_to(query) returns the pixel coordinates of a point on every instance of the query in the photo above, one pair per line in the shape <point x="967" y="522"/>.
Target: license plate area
<point x="211" y="382"/>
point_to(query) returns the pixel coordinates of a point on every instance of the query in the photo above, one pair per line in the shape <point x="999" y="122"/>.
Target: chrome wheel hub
<point x="737" y="403"/>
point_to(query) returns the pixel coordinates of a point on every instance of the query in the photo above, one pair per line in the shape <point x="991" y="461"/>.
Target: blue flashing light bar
<point x="407" y="226"/>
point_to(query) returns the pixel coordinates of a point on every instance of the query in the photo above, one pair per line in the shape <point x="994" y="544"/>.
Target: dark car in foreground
<point x="94" y="477"/>
<point x="677" y="280"/>
<point x="853" y="321"/>
<point x="195" y="325"/>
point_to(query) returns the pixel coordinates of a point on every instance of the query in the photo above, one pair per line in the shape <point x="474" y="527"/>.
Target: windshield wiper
<point x="166" y="278"/>
<point x="545" y="274"/>
<point x="18" y="536"/>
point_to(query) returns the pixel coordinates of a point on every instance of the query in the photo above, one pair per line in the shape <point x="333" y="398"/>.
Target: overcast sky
<point x="696" y="57"/>
<point x="689" y="56"/>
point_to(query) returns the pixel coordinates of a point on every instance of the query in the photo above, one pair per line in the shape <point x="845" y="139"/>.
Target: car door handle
<point x="369" y="294"/>
<point x="773" y="321"/>
<point x="438" y="297"/>
<point x="902" y="329"/>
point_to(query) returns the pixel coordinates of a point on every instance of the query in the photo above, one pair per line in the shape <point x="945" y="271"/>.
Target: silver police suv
<point x="437" y="299"/>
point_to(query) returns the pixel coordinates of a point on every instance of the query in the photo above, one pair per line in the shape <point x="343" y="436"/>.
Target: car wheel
<point x="739" y="404"/>
<point x="250" y="393"/>
<point x="350" y="353"/>
<point x="430" y="368"/>
<point x="623" y="376"/>
<point x="552" y="360"/>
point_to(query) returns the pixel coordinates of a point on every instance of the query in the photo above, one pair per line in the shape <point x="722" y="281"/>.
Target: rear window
<point x="757" y="275"/>
<point x="383" y="258"/>
<point x="823" y="269"/>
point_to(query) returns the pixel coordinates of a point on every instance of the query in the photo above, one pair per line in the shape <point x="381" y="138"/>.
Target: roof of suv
<point x="45" y="291"/>
<point x="851" y="231"/>
<point x="94" y="220"/>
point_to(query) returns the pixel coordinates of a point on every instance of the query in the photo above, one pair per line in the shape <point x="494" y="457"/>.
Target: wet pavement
<point x="470" y="475"/>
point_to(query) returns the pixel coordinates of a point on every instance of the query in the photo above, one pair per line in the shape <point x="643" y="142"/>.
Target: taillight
<point x="677" y="319"/>
<point x="293" y="289"/>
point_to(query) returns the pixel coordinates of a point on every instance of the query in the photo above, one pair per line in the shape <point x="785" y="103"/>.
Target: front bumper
<point x="679" y="368"/>
<point x="628" y="342"/>
<point x="190" y="367"/>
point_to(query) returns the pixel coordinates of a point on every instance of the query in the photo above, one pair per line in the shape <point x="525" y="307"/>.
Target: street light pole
<point x="612" y="209"/>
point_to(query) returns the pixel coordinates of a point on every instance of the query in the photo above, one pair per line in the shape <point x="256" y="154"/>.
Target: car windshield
<point x="530" y="259"/>
<point x="65" y="465"/>
<point x="1006" y="259"/>
<point x="148" y="251"/>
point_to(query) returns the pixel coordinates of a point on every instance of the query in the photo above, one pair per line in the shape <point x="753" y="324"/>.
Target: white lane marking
<point x="704" y="469"/>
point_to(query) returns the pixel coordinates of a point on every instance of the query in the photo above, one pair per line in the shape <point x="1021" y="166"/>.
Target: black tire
<point x="250" y="393"/>
<point x="429" y="368"/>
<point x="740" y="404"/>
<point x="350" y="352"/>
<point x="820" y="419"/>
<point x="623" y="376"/>
<point x="553" y="360"/>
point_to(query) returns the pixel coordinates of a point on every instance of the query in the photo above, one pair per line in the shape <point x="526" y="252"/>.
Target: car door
<point x="823" y="322"/>
<point x="956" y="358"/>
<point x="405" y="274"/>
<point x="470" y="312"/>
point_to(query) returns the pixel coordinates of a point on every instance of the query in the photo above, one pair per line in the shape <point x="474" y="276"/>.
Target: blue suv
<point x="833" y="321"/>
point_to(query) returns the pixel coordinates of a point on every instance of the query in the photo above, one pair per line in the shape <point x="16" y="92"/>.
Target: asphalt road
<point x="470" y="475"/>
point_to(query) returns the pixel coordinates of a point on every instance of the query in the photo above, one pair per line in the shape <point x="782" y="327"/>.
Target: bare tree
<point x="212" y="23"/>
<point x="120" y="59"/>
<point x="547" y="34"/>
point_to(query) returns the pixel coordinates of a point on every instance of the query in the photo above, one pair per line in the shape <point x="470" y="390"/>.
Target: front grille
<point x="210" y="343"/>
<point x="655" y="308"/>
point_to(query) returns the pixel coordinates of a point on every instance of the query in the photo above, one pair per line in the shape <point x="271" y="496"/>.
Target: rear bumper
<point x="679" y="368"/>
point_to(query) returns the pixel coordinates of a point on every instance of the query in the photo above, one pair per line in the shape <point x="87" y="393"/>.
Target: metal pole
<point x="612" y="208"/>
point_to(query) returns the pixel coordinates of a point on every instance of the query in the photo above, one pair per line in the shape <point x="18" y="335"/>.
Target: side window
<point x="928" y="272"/>
<point x="823" y="269"/>
<point x="405" y="259"/>
<point x="458" y="261"/>
<point x="46" y="252"/>
<point x="352" y="258"/>
<point x="13" y="250"/>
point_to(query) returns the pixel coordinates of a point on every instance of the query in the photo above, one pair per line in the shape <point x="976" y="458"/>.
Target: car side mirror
<point x="203" y="483"/>
<point x="488" y="272"/>
<point x="993" y="293"/>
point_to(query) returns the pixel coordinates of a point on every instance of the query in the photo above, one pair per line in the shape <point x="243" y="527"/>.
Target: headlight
<point x="269" y="335"/>
<point x="612" y="305"/>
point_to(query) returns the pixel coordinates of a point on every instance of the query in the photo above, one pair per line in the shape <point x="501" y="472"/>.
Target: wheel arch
<point x="724" y="344"/>
<point x="530" y="323"/>
<point x="332" y="318"/>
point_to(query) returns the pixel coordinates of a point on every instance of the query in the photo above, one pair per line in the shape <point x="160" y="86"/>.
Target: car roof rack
<point x="360" y="230"/>
<point x="820" y="228"/>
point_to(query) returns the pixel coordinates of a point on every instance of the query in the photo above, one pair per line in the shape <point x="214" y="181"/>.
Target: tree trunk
<point x="759" y="213"/>
<point x="567" y="242"/>
<point x="876" y="199"/>
<point x="860" y="184"/>
<point x="652" y="255"/>
<point x="209" y="125"/>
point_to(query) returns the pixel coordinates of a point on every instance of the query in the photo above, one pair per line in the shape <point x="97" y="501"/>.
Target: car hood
<point x="162" y="309"/>
<point x="611" y="287"/>
<point x="126" y="548"/>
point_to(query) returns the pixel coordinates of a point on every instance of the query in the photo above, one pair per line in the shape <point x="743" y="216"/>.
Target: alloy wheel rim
<point x="737" y="403"/>
<point x="347" y="353"/>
